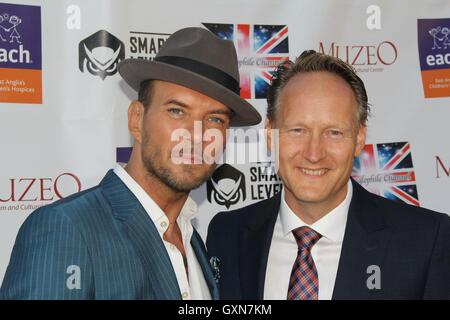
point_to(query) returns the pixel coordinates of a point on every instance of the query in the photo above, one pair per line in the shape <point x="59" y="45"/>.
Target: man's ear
<point x="360" y="139"/>
<point x="268" y="126"/>
<point x="135" y="120"/>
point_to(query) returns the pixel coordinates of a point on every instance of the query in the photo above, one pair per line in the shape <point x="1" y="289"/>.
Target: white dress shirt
<point x="326" y="252"/>
<point x="195" y="287"/>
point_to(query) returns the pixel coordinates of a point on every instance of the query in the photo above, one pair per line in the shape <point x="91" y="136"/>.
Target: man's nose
<point x="314" y="150"/>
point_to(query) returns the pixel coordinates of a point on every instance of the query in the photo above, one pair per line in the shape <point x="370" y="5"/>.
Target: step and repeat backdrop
<point x="63" y="107"/>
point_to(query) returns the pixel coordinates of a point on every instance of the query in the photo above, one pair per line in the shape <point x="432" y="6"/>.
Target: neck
<point x="170" y="201"/>
<point x="310" y="212"/>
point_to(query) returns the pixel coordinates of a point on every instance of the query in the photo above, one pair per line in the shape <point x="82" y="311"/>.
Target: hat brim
<point x="134" y="71"/>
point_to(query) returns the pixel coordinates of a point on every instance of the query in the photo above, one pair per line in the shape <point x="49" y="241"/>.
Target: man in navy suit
<point x="131" y="236"/>
<point x="324" y="236"/>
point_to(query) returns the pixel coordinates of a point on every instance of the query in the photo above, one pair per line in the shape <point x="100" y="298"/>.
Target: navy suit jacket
<point x="410" y="245"/>
<point x="96" y="244"/>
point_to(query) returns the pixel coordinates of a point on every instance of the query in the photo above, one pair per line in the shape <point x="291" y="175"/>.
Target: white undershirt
<point x="326" y="252"/>
<point x="196" y="288"/>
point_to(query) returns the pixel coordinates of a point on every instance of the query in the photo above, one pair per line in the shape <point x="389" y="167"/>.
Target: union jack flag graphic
<point x="260" y="49"/>
<point x="387" y="169"/>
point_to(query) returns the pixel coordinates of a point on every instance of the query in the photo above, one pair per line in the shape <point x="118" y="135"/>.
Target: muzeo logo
<point x="434" y="54"/>
<point x="442" y="168"/>
<point x="364" y="57"/>
<point x="29" y="193"/>
<point x="100" y="53"/>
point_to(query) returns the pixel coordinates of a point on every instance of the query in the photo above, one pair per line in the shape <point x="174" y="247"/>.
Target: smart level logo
<point x="387" y="169"/>
<point x="20" y="54"/>
<point x="226" y="186"/>
<point x="434" y="54"/>
<point x="145" y="45"/>
<point x="230" y="187"/>
<point x="260" y="49"/>
<point x="100" y="53"/>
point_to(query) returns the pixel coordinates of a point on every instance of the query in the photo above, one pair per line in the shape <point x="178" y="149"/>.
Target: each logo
<point x="260" y="49"/>
<point x="226" y="186"/>
<point x="100" y="53"/>
<point x="8" y="26"/>
<point x="434" y="55"/>
<point x="20" y="54"/>
<point x="387" y="169"/>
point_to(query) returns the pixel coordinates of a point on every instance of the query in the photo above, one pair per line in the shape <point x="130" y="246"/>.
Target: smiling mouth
<point x="314" y="172"/>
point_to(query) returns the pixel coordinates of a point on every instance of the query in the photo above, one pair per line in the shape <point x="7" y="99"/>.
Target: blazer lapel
<point x="200" y="253"/>
<point x="144" y="237"/>
<point x="256" y="237"/>
<point x="365" y="241"/>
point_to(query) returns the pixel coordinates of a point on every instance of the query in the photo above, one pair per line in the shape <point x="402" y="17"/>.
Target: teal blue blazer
<point x="96" y="244"/>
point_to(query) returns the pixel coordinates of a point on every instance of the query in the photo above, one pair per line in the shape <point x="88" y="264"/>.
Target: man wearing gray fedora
<point x="131" y="236"/>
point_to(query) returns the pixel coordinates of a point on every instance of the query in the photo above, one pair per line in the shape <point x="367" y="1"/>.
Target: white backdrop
<point x="65" y="139"/>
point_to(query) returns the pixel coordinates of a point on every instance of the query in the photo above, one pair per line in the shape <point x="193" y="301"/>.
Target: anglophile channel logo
<point x="260" y="49"/>
<point x="20" y="54"/>
<point x="387" y="169"/>
<point x="434" y="54"/>
<point x="100" y="54"/>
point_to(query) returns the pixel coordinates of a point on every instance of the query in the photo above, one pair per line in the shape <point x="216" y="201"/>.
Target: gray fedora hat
<point x="199" y="60"/>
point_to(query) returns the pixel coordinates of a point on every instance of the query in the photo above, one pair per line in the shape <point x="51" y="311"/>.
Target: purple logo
<point x="434" y="55"/>
<point x="123" y="154"/>
<point x="434" y="43"/>
<point x="20" y="36"/>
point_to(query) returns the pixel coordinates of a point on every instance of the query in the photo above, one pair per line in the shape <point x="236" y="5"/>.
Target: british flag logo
<point x="260" y="49"/>
<point x="387" y="169"/>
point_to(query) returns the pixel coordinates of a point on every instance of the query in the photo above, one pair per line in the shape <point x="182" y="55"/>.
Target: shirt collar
<point x="157" y="215"/>
<point x="330" y="226"/>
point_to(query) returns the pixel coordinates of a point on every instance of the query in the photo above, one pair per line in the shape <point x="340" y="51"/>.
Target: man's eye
<point x="217" y="120"/>
<point x="335" y="133"/>
<point x="297" y="131"/>
<point x="175" y="111"/>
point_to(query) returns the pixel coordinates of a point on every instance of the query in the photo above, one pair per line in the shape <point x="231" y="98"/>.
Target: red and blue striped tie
<point x="304" y="282"/>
